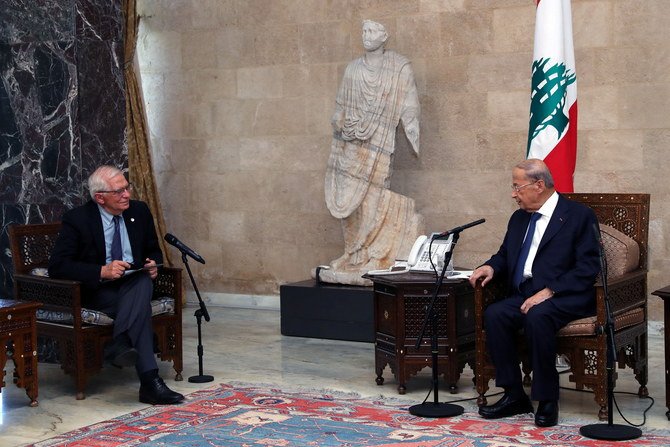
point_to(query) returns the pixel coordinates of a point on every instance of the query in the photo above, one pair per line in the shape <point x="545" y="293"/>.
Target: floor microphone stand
<point x="199" y="314"/>
<point x="435" y="409"/>
<point x="609" y="431"/>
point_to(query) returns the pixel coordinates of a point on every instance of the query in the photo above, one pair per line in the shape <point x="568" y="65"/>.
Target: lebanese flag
<point x="552" y="131"/>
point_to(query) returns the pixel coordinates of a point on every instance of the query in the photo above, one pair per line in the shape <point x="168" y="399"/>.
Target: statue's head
<point x="374" y="35"/>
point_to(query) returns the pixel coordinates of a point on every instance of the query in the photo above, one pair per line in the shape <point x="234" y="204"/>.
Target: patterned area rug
<point x="260" y="416"/>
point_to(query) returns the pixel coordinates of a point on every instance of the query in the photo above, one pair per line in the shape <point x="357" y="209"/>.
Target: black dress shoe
<point x="156" y="392"/>
<point x="547" y="413"/>
<point x="119" y="353"/>
<point x="507" y="406"/>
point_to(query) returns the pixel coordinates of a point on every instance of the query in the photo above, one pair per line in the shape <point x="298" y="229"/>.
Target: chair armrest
<point x="625" y="292"/>
<point x="168" y="283"/>
<point x="480" y="305"/>
<point x="485" y="296"/>
<point x="54" y="294"/>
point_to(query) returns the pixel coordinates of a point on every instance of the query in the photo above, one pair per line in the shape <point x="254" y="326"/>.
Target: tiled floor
<point x="243" y="345"/>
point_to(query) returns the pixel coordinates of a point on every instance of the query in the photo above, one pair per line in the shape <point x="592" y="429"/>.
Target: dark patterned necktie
<point x="525" y="248"/>
<point x="116" y="251"/>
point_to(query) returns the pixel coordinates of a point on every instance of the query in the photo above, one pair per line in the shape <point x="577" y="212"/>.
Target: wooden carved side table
<point x="400" y="307"/>
<point x="18" y="340"/>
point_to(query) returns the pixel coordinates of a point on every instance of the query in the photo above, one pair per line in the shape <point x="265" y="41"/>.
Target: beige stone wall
<point x="240" y="92"/>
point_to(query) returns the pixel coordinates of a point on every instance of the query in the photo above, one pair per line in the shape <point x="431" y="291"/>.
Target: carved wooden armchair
<point x="583" y="342"/>
<point x="78" y="333"/>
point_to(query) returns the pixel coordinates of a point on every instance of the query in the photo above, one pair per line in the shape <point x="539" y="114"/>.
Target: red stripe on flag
<point x="562" y="159"/>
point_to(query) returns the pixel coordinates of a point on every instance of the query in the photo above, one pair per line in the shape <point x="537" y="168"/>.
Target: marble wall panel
<point x="62" y="107"/>
<point x="39" y="101"/>
<point x="99" y="20"/>
<point x="102" y="117"/>
<point x="28" y="21"/>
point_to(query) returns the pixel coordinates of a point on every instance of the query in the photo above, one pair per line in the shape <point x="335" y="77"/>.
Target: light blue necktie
<point x="525" y="248"/>
<point x="116" y="250"/>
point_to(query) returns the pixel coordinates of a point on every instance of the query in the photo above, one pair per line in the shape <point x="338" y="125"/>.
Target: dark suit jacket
<point x="79" y="251"/>
<point x="567" y="260"/>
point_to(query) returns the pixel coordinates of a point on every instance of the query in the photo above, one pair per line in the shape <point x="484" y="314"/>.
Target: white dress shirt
<point x="546" y="211"/>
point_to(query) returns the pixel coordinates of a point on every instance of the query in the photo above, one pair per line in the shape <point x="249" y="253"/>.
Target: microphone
<point x="459" y="229"/>
<point x="183" y="248"/>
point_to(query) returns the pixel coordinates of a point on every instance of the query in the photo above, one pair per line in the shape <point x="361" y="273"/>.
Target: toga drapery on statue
<point x="377" y="92"/>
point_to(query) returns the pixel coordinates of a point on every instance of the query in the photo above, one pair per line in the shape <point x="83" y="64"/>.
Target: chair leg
<point x="603" y="413"/>
<point x="178" y="359"/>
<point x="72" y="363"/>
<point x="641" y="366"/>
<point x="602" y="376"/>
<point x="80" y="375"/>
<point x="482" y="386"/>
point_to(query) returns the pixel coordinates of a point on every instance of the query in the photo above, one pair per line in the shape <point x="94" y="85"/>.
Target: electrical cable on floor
<point x="616" y="404"/>
<point x="462" y="400"/>
<point x="644" y="413"/>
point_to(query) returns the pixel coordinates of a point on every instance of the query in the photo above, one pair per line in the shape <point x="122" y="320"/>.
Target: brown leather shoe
<point x="507" y="406"/>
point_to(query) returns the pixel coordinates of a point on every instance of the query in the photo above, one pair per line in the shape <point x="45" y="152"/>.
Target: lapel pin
<point x="132" y="219"/>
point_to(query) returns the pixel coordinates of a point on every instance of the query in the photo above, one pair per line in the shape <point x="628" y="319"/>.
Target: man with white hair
<point x="549" y="259"/>
<point x="97" y="243"/>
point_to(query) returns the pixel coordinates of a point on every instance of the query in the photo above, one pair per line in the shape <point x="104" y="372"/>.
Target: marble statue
<point x="377" y="92"/>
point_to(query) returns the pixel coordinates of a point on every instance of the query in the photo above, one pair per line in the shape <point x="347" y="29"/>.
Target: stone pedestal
<point x="333" y="311"/>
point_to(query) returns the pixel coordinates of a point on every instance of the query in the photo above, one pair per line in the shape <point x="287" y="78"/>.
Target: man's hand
<point x="151" y="267"/>
<point x="113" y="270"/>
<point x="485" y="271"/>
<point x="538" y="298"/>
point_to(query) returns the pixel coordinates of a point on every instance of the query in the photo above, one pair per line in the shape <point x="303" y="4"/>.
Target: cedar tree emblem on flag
<point x="547" y="99"/>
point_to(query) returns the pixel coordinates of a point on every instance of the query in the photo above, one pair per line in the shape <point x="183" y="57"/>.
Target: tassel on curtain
<point x="139" y="156"/>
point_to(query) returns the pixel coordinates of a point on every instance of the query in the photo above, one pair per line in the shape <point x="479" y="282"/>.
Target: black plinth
<point x="333" y="311"/>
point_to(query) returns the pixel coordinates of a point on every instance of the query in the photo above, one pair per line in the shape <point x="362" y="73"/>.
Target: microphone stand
<point x="609" y="431"/>
<point x="435" y="409"/>
<point x="199" y="313"/>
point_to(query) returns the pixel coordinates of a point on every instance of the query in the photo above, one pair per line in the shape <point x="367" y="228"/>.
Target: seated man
<point x="97" y="243"/>
<point x="550" y="260"/>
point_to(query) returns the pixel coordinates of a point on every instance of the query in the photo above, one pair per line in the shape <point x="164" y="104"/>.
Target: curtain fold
<point x="140" y="168"/>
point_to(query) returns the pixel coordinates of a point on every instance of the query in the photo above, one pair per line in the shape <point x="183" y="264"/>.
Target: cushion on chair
<point x="159" y="306"/>
<point x="163" y="305"/>
<point x="622" y="252"/>
<point x="587" y="326"/>
<point x="87" y="316"/>
<point x="623" y="256"/>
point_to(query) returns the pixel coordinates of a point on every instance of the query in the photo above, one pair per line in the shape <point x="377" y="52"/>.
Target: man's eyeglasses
<point x="516" y="188"/>
<point x="118" y="192"/>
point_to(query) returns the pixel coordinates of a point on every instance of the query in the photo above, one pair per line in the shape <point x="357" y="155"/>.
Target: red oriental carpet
<point x="259" y="416"/>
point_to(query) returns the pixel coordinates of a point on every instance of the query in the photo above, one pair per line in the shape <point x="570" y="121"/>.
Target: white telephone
<point x="419" y="260"/>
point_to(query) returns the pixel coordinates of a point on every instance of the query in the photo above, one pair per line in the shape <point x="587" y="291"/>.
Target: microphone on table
<point x="183" y="248"/>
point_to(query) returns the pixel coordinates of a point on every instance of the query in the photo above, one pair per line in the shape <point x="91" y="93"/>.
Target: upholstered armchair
<point x="80" y="334"/>
<point x="624" y="224"/>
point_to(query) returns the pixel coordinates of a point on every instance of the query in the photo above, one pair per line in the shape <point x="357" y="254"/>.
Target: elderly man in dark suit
<point x="550" y="260"/>
<point x="98" y="242"/>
